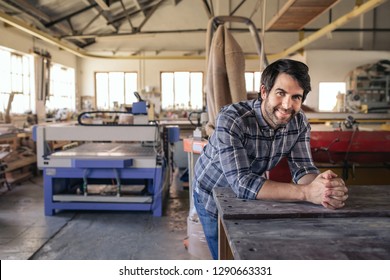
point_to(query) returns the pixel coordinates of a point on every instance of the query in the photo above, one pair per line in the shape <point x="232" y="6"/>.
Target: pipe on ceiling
<point x="357" y="11"/>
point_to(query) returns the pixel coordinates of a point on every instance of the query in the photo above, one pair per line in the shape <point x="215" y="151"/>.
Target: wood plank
<point x="19" y="163"/>
<point x="315" y="239"/>
<point x="295" y="14"/>
<point x="17" y="178"/>
<point x="362" y="201"/>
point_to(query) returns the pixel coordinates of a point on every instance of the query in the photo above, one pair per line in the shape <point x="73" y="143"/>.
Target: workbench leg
<point x="158" y="193"/>
<point x="48" y="194"/>
<point x="224" y="250"/>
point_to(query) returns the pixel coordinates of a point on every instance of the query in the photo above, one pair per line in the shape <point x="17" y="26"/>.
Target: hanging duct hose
<point x="225" y="66"/>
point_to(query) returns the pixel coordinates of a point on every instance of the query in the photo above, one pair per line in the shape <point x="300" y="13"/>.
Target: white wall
<point x="334" y="66"/>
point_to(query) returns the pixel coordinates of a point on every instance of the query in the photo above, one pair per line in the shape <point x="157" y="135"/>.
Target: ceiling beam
<point x="77" y="51"/>
<point x="103" y="4"/>
<point x="130" y="13"/>
<point x="127" y="15"/>
<point x="103" y="9"/>
<point x="90" y="22"/>
<point x="356" y="11"/>
<point x="207" y="7"/>
<point x="138" y="5"/>
<point x="74" y="50"/>
<point x="49" y="24"/>
<point x="40" y="18"/>
<point x="233" y="30"/>
<point x="236" y="8"/>
<point x="149" y="14"/>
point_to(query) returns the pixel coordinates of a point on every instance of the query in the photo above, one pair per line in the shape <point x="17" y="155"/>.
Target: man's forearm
<point x="324" y="188"/>
<point x="272" y="190"/>
<point x="307" y="179"/>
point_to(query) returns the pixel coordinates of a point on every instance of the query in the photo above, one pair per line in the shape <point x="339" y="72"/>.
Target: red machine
<point x="350" y="152"/>
<point x="351" y="146"/>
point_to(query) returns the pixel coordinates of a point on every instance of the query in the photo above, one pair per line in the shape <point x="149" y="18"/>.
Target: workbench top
<point x="358" y="238"/>
<point x="362" y="201"/>
<point x="254" y="229"/>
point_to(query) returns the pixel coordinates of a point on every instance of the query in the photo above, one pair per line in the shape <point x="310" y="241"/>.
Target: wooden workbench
<point x="253" y="229"/>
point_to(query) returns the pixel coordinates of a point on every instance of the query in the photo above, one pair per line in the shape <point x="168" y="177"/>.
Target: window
<point x="252" y="81"/>
<point x="182" y="90"/>
<point x="62" y="91"/>
<point x="17" y="75"/>
<point x="114" y="89"/>
<point x="15" y="71"/>
<point x="328" y="95"/>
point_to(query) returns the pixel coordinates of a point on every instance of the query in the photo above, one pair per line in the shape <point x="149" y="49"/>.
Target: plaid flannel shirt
<point x="243" y="147"/>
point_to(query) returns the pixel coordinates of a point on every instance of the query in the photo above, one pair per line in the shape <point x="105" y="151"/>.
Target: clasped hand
<point x="329" y="190"/>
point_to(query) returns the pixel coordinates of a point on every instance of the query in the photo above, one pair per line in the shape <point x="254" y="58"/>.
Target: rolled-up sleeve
<point x="300" y="159"/>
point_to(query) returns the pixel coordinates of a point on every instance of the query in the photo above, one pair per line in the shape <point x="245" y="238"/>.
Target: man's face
<point x="283" y="101"/>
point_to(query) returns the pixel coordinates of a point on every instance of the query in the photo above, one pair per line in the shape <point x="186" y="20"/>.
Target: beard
<point x="277" y="116"/>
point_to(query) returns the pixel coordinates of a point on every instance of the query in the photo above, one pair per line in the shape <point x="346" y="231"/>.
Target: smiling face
<point x="283" y="101"/>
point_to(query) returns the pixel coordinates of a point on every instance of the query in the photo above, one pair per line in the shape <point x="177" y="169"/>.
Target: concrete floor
<point x="26" y="233"/>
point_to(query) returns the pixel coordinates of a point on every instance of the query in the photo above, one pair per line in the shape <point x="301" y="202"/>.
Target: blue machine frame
<point x="118" y="166"/>
<point x="153" y="175"/>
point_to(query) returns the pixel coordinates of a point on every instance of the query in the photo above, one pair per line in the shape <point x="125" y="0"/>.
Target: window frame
<point x="126" y="100"/>
<point x="256" y="81"/>
<point x="332" y="95"/>
<point x="59" y="87"/>
<point x="177" y="106"/>
<point x="21" y="81"/>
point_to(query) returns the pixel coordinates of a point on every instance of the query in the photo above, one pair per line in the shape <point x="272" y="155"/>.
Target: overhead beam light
<point x="104" y="4"/>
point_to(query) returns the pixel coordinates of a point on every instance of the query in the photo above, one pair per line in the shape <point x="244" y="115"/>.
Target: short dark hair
<point x="296" y="69"/>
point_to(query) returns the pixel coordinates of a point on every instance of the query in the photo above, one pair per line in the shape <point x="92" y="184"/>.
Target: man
<point x="251" y="137"/>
